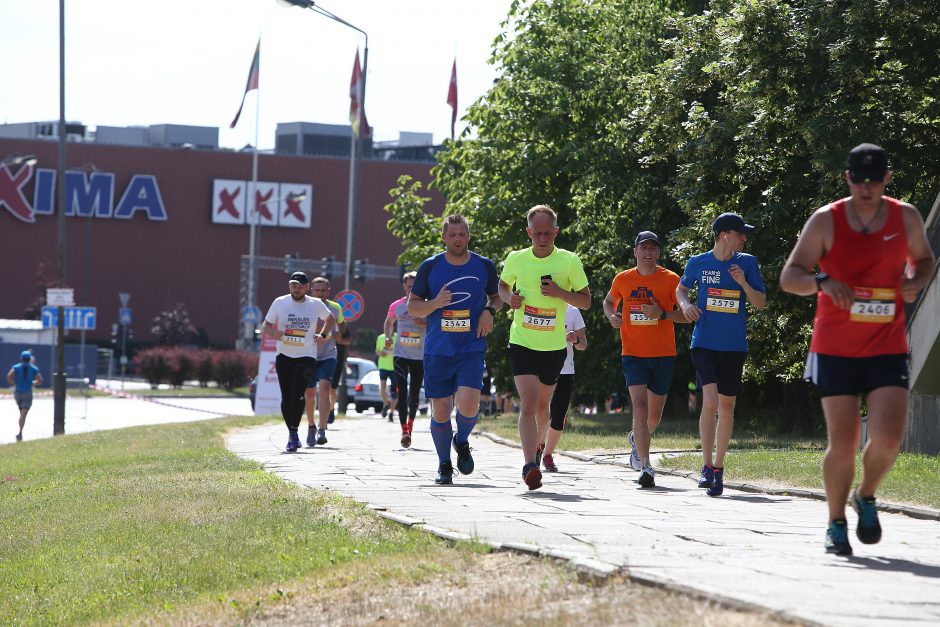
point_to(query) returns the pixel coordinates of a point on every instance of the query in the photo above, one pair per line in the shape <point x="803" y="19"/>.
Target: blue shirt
<point x="452" y="330"/>
<point x="723" y="324"/>
<point x="24" y="374"/>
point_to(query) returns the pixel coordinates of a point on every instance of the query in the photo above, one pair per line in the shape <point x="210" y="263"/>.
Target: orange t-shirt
<point x="639" y="335"/>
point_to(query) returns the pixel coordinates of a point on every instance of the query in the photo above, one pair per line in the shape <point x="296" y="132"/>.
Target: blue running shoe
<point x="707" y="478"/>
<point x="311" y="437"/>
<point x="718" y="483"/>
<point x="868" y="529"/>
<point x="464" y="458"/>
<point x="837" y="538"/>
<point x="635" y="462"/>
<point x="445" y="474"/>
<point x="321" y="437"/>
<point x="293" y="442"/>
<point x="332" y="417"/>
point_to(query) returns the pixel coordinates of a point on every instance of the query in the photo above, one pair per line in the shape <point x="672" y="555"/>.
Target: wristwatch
<point x="663" y="316"/>
<point x="577" y="341"/>
<point x="492" y="310"/>
<point x="821" y="277"/>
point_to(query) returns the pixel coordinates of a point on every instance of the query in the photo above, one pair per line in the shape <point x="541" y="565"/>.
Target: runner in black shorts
<point x="561" y="397"/>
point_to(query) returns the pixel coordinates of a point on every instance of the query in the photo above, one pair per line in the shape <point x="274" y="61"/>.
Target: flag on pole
<point x="355" y="98"/>
<point x="253" y="75"/>
<point x="452" y="97"/>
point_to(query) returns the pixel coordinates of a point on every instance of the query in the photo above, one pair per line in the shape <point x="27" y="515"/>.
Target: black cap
<point x="867" y="163"/>
<point x="646" y="236"/>
<point x="731" y="222"/>
<point x="299" y="277"/>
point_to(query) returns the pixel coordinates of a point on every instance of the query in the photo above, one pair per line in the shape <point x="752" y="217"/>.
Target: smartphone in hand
<point x="546" y="278"/>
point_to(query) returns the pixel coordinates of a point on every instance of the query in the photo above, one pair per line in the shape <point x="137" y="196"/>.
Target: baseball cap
<point x="299" y="277"/>
<point x="867" y="163"/>
<point x="731" y="222"/>
<point x="26" y="355"/>
<point x="646" y="236"/>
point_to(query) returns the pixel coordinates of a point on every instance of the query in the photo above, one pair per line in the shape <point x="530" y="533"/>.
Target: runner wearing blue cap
<point x="23" y="376"/>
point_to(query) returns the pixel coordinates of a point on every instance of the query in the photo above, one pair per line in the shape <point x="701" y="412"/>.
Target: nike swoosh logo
<point x="892" y="236"/>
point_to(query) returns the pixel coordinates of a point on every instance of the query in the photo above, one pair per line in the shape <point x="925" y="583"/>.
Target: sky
<point x="130" y="63"/>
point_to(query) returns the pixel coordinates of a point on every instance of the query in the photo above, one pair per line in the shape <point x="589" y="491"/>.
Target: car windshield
<point x="370" y="377"/>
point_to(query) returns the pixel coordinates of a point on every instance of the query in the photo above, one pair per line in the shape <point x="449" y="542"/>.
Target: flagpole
<point x="355" y="163"/>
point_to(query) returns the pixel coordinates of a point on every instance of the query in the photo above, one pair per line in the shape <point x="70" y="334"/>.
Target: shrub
<point x="181" y="365"/>
<point x="204" y="367"/>
<point x="234" y="368"/>
<point x="154" y="365"/>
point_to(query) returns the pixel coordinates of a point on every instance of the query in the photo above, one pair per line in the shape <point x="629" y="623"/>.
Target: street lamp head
<point x="17" y="159"/>
<point x="292" y="197"/>
<point x="303" y="4"/>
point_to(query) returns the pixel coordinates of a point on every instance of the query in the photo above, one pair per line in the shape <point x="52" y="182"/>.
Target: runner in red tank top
<point x="873" y="256"/>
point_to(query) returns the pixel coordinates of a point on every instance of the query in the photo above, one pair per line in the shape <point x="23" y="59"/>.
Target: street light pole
<point x="58" y="412"/>
<point x="357" y="143"/>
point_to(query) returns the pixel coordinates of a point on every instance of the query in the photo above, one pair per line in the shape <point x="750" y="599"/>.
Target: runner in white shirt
<point x="292" y="320"/>
<point x="561" y="397"/>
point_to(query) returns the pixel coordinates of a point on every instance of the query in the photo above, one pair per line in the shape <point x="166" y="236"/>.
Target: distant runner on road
<point x="22" y="377"/>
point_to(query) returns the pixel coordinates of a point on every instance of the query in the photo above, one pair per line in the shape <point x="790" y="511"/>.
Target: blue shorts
<point x="444" y="374"/>
<point x="851" y="376"/>
<point x="324" y="370"/>
<point x="653" y="372"/>
<point x="724" y="368"/>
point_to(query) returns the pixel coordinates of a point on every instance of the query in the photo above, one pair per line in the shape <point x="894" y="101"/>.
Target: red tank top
<point x="872" y="264"/>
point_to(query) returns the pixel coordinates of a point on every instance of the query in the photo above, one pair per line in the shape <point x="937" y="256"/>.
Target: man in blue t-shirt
<point x="457" y="292"/>
<point x="23" y="376"/>
<point x="726" y="280"/>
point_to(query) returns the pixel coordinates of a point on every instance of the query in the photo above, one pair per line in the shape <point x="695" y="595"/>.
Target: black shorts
<point x="722" y="367"/>
<point x="342" y="351"/>
<point x="850" y="376"/>
<point x="546" y="365"/>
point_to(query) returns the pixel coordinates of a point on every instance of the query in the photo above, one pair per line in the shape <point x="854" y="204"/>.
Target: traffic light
<point x="326" y="266"/>
<point x="359" y="269"/>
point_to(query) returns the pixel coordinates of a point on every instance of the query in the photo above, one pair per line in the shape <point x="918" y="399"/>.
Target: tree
<point x="173" y="327"/>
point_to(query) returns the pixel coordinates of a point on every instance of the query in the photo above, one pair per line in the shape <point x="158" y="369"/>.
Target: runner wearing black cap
<point x="726" y="280"/>
<point x="292" y="320"/>
<point x="873" y="256"/>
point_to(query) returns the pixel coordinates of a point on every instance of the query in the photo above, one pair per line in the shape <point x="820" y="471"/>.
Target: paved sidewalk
<point x="754" y="549"/>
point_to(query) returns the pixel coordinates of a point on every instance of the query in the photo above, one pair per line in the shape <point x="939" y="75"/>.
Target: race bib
<point x="539" y="319"/>
<point x="873" y="304"/>
<point x="455" y="321"/>
<point x="409" y="339"/>
<point x="294" y="337"/>
<point x="638" y="318"/>
<point x="723" y="301"/>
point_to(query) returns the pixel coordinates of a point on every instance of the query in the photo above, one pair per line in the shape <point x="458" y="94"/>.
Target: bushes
<point x="229" y="369"/>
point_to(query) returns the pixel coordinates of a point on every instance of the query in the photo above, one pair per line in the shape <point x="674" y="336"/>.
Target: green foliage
<point x="172" y="327"/>
<point x="419" y="232"/>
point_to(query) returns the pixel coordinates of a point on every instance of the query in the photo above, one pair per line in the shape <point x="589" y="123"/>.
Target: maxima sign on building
<point x="275" y="204"/>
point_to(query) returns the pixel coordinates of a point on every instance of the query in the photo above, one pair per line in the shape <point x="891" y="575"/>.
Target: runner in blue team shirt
<point x="457" y="292"/>
<point x="726" y="280"/>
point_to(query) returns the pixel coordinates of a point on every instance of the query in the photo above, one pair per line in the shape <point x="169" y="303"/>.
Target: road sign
<point x="78" y="318"/>
<point x="251" y="314"/>
<point x="60" y="296"/>
<point x="124" y="316"/>
<point x="352" y="303"/>
<point x="124" y="297"/>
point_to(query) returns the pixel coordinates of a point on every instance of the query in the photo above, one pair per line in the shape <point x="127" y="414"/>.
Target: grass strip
<point x="134" y="524"/>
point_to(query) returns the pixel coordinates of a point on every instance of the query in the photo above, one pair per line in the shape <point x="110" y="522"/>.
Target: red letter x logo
<point x="293" y="209"/>
<point x="227" y="199"/>
<point x="11" y="192"/>
<point x="261" y="204"/>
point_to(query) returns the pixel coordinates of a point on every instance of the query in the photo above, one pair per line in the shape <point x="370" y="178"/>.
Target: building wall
<point x="186" y="258"/>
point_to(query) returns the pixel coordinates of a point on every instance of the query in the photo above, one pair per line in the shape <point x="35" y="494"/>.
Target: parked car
<point x="355" y="369"/>
<point x="368" y="394"/>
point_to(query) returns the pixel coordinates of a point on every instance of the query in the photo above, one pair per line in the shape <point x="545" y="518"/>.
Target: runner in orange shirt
<point x="648" y="293"/>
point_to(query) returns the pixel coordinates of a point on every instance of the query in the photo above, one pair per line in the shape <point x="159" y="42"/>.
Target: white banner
<point x="228" y="201"/>
<point x="267" y="391"/>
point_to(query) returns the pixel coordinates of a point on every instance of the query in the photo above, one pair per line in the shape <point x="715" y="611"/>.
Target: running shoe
<point x="311" y="437"/>
<point x="293" y="442"/>
<point x="647" y="477"/>
<point x="331" y="418"/>
<point x="464" y="458"/>
<point x="635" y="462"/>
<point x="868" y="529"/>
<point x="19" y="437"/>
<point x="321" y="436"/>
<point x="532" y="476"/>
<point x="445" y="474"/>
<point x="718" y="482"/>
<point x="837" y="538"/>
<point x="538" y="454"/>
<point x="708" y="476"/>
<point x="384" y="410"/>
<point x="549" y="462"/>
<point x="405" y="439"/>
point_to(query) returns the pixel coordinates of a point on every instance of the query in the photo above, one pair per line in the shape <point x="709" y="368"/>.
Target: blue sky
<point x="186" y="62"/>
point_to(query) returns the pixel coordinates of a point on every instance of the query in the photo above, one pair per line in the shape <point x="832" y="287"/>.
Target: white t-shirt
<point x="298" y="321"/>
<point x="573" y="322"/>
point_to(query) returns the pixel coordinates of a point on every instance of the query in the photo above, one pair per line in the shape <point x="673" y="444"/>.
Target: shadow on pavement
<point x="756" y="498"/>
<point x="563" y="498"/>
<point x="896" y="565"/>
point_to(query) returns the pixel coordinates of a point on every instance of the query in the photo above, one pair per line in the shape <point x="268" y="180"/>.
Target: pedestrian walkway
<point x="751" y="549"/>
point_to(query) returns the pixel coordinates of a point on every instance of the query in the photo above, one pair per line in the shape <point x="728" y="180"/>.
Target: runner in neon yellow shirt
<point x="539" y="283"/>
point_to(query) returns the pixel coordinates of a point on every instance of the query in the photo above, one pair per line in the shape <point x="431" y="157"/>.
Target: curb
<point x="912" y="511"/>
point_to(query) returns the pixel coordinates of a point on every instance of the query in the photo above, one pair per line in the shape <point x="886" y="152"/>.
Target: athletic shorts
<point x="722" y="367"/>
<point x="850" y="376"/>
<point x="546" y="365"/>
<point x="653" y="372"/>
<point x="444" y="374"/>
<point x="324" y="370"/>
<point x="24" y="400"/>
<point x="561" y="400"/>
<point x="341" y="354"/>
<point x="387" y="375"/>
